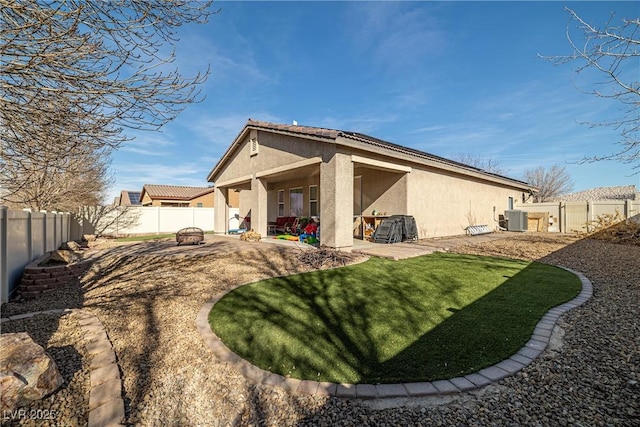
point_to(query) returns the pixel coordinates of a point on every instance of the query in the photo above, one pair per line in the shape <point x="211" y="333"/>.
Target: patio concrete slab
<point x="405" y="250"/>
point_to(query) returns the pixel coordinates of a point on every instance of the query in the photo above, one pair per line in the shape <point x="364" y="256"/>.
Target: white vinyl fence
<point x="25" y="236"/>
<point x="139" y="220"/>
<point x="566" y="217"/>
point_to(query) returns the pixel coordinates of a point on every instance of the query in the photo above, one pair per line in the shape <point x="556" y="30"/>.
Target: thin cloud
<point x="149" y="144"/>
<point x="396" y="35"/>
<point x="222" y="130"/>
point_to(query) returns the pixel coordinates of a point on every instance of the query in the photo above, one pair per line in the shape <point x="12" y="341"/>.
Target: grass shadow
<point x="398" y="325"/>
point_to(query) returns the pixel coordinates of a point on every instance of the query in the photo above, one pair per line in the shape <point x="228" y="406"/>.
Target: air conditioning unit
<point x="516" y="220"/>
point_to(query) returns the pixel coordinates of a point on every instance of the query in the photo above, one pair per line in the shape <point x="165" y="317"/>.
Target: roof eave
<point x="407" y="154"/>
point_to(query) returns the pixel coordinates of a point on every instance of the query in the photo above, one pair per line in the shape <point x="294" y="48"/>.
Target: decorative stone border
<point x="106" y="406"/>
<point x="525" y="356"/>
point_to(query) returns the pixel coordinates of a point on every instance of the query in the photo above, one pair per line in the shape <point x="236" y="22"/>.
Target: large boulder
<point x="63" y="256"/>
<point x="27" y="373"/>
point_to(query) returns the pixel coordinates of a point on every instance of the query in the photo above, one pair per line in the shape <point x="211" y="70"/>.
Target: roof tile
<point x="175" y="192"/>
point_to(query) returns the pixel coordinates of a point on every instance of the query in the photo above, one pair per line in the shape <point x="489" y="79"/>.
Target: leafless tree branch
<point x="552" y="182"/>
<point x="75" y="76"/>
<point x="611" y="52"/>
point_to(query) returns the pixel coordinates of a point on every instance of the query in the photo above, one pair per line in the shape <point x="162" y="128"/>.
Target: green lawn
<point x="421" y="319"/>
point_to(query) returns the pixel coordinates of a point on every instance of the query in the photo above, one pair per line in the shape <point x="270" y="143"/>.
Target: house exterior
<point x="180" y="196"/>
<point x="343" y="177"/>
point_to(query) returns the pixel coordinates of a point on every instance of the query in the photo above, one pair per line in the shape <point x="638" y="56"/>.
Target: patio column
<point x="259" y="205"/>
<point x="221" y="212"/>
<point x="336" y="202"/>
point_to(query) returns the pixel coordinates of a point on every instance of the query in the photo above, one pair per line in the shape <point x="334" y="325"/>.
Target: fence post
<point x="4" y="254"/>
<point x="30" y="235"/>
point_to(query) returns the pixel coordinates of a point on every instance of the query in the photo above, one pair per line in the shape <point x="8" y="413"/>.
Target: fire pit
<point x="192" y="235"/>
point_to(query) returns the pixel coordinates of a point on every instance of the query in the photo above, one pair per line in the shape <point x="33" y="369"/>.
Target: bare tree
<point x="612" y="52"/>
<point x="108" y="220"/>
<point x="53" y="182"/>
<point x="551" y="182"/>
<point x="77" y="74"/>
<point x="486" y="164"/>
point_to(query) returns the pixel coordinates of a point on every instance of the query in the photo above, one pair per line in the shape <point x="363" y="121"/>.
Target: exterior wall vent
<point x="516" y="220"/>
<point x="254" y="146"/>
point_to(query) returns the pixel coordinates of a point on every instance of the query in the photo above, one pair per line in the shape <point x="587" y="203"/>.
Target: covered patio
<point x="321" y="192"/>
<point x="349" y="182"/>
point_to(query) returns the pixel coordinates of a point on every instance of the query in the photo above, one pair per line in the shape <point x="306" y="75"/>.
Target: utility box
<point x="516" y="220"/>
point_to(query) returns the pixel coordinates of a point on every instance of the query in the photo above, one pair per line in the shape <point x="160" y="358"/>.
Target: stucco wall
<point x="207" y="200"/>
<point x="444" y="204"/>
<point x="274" y="150"/>
<point x="383" y="191"/>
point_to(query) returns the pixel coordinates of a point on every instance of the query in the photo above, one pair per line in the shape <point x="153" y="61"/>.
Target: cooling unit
<point x="516" y="220"/>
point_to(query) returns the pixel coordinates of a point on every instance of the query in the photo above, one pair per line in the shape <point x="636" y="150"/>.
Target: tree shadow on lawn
<point x="329" y="328"/>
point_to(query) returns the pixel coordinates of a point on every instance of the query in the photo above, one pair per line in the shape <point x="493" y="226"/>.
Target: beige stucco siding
<point x="445" y="198"/>
<point x="383" y="191"/>
<point x="444" y="204"/>
<point x="207" y="201"/>
<point x="274" y="150"/>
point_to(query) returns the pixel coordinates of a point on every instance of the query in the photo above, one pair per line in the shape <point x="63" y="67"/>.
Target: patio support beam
<point x="379" y="164"/>
<point x="336" y="202"/>
<point x="259" y="205"/>
<point x="221" y="212"/>
<point x="286" y="168"/>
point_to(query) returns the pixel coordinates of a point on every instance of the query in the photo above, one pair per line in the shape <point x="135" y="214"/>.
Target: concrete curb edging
<point x="106" y="406"/>
<point x="526" y="355"/>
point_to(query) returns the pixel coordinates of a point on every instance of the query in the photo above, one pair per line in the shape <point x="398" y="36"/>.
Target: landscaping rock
<point x="27" y="373"/>
<point x="70" y="246"/>
<point x="64" y="256"/>
<point x="171" y="377"/>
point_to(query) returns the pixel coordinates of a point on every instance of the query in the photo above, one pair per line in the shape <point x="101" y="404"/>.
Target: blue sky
<point x="442" y="77"/>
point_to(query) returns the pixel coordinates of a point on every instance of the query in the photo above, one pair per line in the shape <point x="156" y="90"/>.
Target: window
<point x="280" y="202"/>
<point x="313" y="200"/>
<point x="295" y="202"/>
<point x="199" y="205"/>
<point x="510" y="203"/>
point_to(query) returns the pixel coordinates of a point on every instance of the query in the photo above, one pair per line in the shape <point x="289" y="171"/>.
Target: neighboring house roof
<point x="129" y="198"/>
<point x="174" y="192"/>
<point x="623" y="192"/>
<point x="375" y="144"/>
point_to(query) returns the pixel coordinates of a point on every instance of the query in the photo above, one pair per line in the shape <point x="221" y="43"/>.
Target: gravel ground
<point x="63" y="340"/>
<point x="147" y="296"/>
